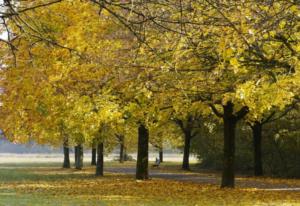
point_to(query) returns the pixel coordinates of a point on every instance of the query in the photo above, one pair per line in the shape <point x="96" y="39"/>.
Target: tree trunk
<point x="142" y="157"/>
<point x="257" y="136"/>
<point x="186" y="152"/>
<point x="99" y="167"/>
<point x="66" y="163"/>
<point x="94" y="153"/>
<point x="79" y="157"/>
<point x="125" y="156"/>
<point x="161" y="155"/>
<point x="76" y="155"/>
<point x="229" y="146"/>
<point x="121" y="158"/>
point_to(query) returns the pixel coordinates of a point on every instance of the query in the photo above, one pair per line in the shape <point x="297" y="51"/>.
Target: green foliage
<point x="280" y="146"/>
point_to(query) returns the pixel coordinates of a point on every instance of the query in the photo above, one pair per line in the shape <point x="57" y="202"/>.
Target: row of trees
<point x="88" y="71"/>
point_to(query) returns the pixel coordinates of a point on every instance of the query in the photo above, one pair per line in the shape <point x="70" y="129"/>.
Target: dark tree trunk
<point x="257" y="137"/>
<point x="125" y="156"/>
<point x="161" y="155"/>
<point x="121" y="158"/>
<point x="66" y="163"/>
<point x="76" y="155"/>
<point x="99" y="167"/>
<point x="142" y="156"/>
<point x="94" y="154"/>
<point x="230" y="120"/>
<point x="186" y="152"/>
<point x="79" y="157"/>
<point x="229" y="146"/>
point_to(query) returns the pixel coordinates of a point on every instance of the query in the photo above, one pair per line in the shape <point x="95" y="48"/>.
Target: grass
<point x="49" y="185"/>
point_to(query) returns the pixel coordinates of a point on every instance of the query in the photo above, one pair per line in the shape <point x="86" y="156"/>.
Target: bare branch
<point x="215" y="110"/>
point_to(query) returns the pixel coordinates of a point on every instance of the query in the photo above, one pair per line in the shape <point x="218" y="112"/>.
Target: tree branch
<point x="243" y="112"/>
<point x="215" y="110"/>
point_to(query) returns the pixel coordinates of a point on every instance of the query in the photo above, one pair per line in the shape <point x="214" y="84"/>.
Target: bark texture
<point x="142" y="157"/>
<point x="100" y="155"/>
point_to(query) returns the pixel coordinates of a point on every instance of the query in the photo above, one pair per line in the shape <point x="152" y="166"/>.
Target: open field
<point x="47" y="184"/>
<point x="58" y="157"/>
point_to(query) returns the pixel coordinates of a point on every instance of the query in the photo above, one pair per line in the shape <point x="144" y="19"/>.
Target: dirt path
<point x="206" y="178"/>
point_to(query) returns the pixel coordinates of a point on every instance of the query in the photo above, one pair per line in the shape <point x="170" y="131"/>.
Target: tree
<point x="187" y="128"/>
<point x="257" y="128"/>
<point x="122" y="148"/>
<point x="61" y="85"/>
<point x="267" y="104"/>
<point x="100" y="156"/>
<point x="66" y="148"/>
<point x="142" y="156"/>
<point x="94" y="154"/>
<point x="249" y="49"/>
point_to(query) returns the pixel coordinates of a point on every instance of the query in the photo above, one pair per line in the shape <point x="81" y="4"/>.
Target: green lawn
<point x="48" y="184"/>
